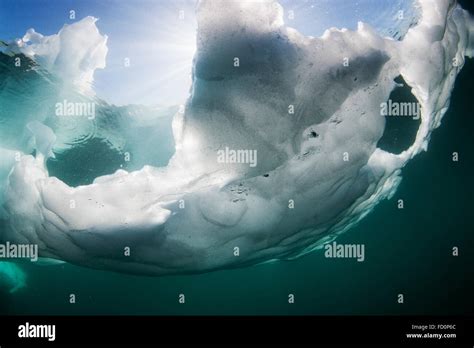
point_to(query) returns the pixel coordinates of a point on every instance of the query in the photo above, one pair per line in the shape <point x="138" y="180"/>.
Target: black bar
<point x="132" y="330"/>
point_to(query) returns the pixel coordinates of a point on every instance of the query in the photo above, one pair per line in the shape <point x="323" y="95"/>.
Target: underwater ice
<point x="191" y="215"/>
<point x="11" y="277"/>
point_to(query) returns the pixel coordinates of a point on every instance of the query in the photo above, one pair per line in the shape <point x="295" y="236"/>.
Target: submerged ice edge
<point x="192" y="215"/>
<point x="12" y="277"/>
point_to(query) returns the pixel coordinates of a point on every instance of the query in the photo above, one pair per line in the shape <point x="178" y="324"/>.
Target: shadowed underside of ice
<point x="249" y="71"/>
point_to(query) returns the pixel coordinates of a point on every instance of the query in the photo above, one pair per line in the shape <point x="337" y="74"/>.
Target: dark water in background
<point x="407" y="251"/>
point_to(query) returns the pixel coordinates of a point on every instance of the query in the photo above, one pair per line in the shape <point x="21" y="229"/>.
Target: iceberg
<point x="308" y="106"/>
